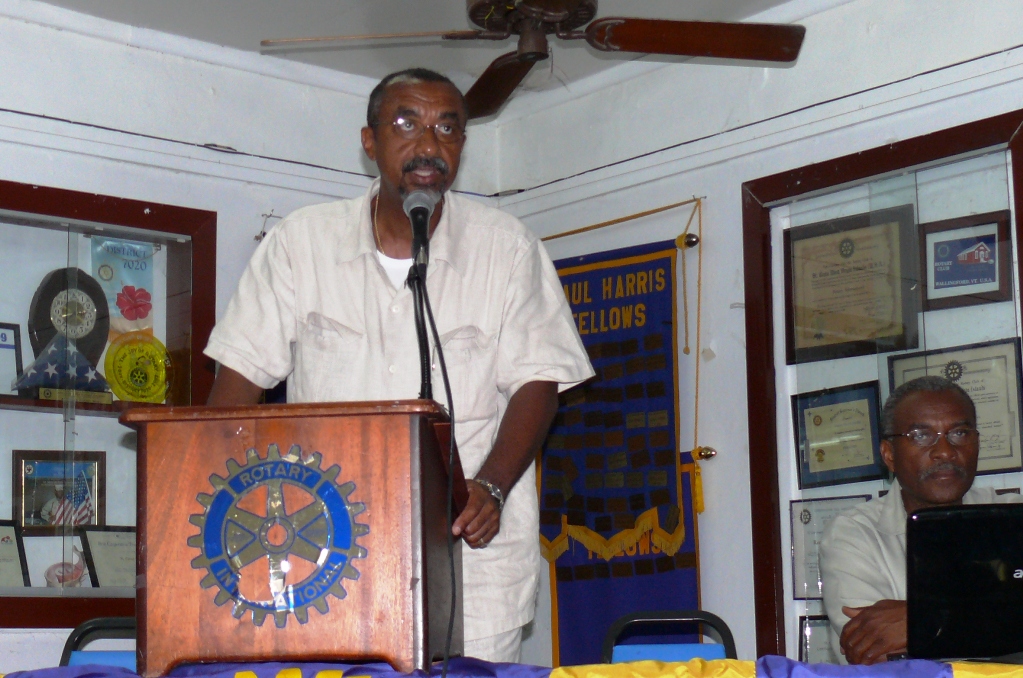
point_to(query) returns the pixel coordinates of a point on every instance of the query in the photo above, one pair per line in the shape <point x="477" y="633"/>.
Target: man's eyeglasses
<point x="924" y="437"/>
<point x="446" y="132"/>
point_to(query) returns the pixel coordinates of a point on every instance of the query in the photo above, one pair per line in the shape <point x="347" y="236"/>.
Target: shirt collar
<point x="893" y="513"/>
<point x="445" y="244"/>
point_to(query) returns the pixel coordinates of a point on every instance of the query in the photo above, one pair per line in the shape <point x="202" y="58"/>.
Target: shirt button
<point x="392" y="369"/>
<point x="394" y="309"/>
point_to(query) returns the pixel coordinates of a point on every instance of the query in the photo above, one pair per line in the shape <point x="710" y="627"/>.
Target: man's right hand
<point x="874" y="632"/>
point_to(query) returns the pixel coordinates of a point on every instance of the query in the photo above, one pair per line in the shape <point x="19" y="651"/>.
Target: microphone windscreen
<point x="421" y="200"/>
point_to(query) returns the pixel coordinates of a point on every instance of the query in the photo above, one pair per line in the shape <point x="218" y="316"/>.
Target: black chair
<point x="96" y="629"/>
<point x="674" y="619"/>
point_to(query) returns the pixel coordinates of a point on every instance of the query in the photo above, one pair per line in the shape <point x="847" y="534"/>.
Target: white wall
<point x="740" y="123"/>
<point x="714" y="168"/>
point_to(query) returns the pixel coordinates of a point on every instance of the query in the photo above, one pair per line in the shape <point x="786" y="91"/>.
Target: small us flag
<point x="77" y="508"/>
<point x="61" y="365"/>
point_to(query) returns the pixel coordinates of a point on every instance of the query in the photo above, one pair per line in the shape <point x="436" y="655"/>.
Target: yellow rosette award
<point x="138" y="368"/>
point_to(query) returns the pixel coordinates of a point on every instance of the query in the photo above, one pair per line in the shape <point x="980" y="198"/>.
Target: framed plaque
<point x="989" y="372"/>
<point x="837" y="435"/>
<point x="10" y="357"/>
<point x="110" y="555"/>
<point x="13" y="568"/>
<point x="809" y="518"/>
<point x="56" y="562"/>
<point x="55" y="489"/>
<point x="965" y="261"/>
<point x="814" y="640"/>
<point x="850" y="286"/>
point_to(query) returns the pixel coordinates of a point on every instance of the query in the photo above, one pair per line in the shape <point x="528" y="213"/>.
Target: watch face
<point x="73" y="313"/>
<point x="70" y="302"/>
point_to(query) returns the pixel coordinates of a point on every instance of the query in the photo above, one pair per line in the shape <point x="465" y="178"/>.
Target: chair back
<point x="96" y="629"/>
<point x="612" y="653"/>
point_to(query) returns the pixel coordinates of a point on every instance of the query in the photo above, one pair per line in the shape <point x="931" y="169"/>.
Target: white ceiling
<point x="241" y="24"/>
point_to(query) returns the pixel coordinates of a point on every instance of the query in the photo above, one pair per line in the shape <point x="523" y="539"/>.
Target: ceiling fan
<point x="534" y="20"/>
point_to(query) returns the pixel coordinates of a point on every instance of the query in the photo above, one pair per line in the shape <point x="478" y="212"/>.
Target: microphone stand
<point x="416" y="282"/>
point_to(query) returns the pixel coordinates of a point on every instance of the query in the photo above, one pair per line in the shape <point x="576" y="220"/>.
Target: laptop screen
<point x="964" y="580"/>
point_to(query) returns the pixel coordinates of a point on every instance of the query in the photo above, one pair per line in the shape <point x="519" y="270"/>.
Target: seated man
<point x="930" y="442"/>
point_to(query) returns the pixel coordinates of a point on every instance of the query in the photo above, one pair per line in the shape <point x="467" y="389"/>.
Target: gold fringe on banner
<point x="668" y="543"/>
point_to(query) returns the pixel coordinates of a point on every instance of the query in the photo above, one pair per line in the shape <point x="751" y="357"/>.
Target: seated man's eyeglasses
<point x="446" y="132"/>
<point x="925" y="437"/>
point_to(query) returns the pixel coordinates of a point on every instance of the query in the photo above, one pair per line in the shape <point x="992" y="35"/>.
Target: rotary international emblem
<point x="953" y="370"/>
<point x="846" y="248"/>
<point x="277" y="536"/>
<point x="137" y="368"/>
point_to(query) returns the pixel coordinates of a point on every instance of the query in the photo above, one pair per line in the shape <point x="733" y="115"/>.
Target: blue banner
<point x="616" y="519"/>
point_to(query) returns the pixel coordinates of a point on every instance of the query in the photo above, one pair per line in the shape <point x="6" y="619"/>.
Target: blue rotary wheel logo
<point x="278" y="535"/>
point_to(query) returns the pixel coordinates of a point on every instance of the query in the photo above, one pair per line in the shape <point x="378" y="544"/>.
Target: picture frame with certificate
<point x="965" y="261"/>
<point x="808" y="520"/>
<point x="110" y="555"/>
<point x="54" y="490"/>
<point x="990" y="372"/>
<point x="13" y="568"/>
<point x="815" y="640"/>
<point x="837" y="434"/>
<point x="56" y="561"/>
<point x="850" y="286"/>
<point x="10" y="357"/>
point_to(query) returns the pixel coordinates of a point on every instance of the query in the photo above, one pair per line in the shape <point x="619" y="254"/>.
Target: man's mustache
<point x="432" y="162"/>
<point x="943" y="466"/>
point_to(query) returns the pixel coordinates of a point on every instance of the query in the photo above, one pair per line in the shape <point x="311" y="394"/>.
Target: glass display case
<point x="106" y="304"/>
<point x="862" y="273"/>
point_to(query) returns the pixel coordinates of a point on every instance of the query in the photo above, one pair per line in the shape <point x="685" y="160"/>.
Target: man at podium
<point x="323" y="304"/>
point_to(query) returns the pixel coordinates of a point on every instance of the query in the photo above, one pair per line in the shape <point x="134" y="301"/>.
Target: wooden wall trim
<point x="760" y="368"/>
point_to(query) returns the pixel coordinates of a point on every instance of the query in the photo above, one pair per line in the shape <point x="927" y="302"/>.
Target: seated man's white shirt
<point x="863" y="554"/>
<point x="315" y="306"/>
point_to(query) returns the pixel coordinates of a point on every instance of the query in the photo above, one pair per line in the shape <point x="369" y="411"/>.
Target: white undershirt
<point x="396" y="269"/>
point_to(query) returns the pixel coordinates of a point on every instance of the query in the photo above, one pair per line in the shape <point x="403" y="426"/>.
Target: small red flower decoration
<point x="134" y="303"/>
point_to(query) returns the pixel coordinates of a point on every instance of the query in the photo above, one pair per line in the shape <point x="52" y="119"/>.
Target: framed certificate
<point x="850" y="286"/>
<point x="965" y="261"/>
<point x="110" y="555"/>
<point x="837" y="435"/>
<point x="56" y="562"/>
<point x="989" y="372"/>
<point x="814" y="640"/>
<point x="809" y="518"/>
<point x="54" y="489"/>
<point x="10" y="357"/>
<point x="13" y="568"/>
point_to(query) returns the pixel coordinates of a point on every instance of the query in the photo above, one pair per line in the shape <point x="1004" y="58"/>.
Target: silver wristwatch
<point x="493" y="490"/>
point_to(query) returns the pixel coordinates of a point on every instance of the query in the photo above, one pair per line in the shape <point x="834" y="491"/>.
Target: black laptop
<point x="964" y="581"/>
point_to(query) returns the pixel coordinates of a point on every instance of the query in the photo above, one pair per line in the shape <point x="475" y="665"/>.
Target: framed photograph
<point x="56" y="562"/>
<point x="10" y="357"/>
<point x="110" y="555"/>
<point x="13" y="568"/>
<point x="990" y="373"/>
<point x="837" y="434"/>
<point x="809" y="518"/>
<point x="814" y="640"/>
<point x="850" y="286"/>
<point x="54" y="489"/>
<point x="965" y="261"/>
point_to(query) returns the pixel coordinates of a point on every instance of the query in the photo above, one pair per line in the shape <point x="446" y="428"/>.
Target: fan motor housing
<point x="550" y="16"/>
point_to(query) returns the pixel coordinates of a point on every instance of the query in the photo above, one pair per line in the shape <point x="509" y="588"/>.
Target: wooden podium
<point x="294" y="532"/>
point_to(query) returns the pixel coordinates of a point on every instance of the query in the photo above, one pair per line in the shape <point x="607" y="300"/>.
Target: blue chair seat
<point x="667" y="652"/>
<point x="123" y="658"/>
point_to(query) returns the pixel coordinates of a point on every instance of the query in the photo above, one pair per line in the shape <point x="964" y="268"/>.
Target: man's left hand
<point x="874" y="632"/>
<point x="480" y="521"/>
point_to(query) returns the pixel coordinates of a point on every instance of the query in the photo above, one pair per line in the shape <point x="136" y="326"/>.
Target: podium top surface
<point x="142" y="415"/>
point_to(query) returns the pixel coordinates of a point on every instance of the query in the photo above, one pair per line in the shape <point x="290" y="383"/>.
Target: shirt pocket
<point x="471" y="359"/>
<point x="325" y="352"/>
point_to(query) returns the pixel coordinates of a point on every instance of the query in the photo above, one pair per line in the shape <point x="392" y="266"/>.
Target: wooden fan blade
<point x="759" y="42"/>
<point x="447" y="35"/>
<point x="492" y="89"/>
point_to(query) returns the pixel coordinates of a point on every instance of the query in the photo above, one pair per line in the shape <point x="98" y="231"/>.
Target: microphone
<point x="418" y="208"/>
